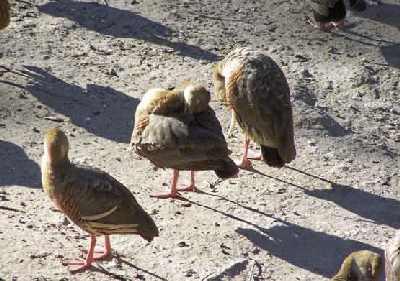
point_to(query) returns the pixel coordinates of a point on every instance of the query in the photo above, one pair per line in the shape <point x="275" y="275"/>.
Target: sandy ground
<point x="86" y="66"/>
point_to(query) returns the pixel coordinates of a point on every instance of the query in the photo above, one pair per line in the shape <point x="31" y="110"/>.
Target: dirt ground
<point x="84" y="66"/>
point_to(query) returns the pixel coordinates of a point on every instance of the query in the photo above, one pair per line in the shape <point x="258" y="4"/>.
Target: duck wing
<point x="100" y="204"/>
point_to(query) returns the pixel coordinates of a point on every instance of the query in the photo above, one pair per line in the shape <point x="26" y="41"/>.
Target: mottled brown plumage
<point x="91" y="198"/>
<point x="253" y="86"/>
<point x="4" y="14"/>
<point x="360" y="266"/>
<point x="392" y="258"/>
<point x="177" y="129"/>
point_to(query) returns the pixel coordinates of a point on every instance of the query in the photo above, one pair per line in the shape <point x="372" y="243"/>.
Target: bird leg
<point x="107" y="250"/>
<point x="104" y="254"/>
<point x="192" y="186"/>
<point x="174" y="192"/>
<point x="80" y="265"/>
<point x="232" y="124"/>
<point x="245" y="163"/>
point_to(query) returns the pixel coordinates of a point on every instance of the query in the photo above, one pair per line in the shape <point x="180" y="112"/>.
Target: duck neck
<point x="52" y="171"/>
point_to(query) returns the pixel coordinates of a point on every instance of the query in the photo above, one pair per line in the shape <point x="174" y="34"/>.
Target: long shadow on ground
<point x="375" y="208"/>
<point x="384" y="13"/>
<point x="387" y="14"/>
<point x="372" y="207"/>
<point x="121" y="24"/>
<point x="314" y="251"/>
<point x="317" y="252"/>
<point x="16" y="168"/>
<point x="101" y="110"/>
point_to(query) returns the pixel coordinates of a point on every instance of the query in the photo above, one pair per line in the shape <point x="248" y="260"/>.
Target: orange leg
<point x="80" y="265"/>
<point x="192" y="186"/>
<point x="174" y="192"/>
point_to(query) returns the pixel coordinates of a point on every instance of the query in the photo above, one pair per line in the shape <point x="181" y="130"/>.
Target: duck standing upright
<point x="177" y="129"/>
<point x="92" y="199"/>
<point x="255" y="89"/>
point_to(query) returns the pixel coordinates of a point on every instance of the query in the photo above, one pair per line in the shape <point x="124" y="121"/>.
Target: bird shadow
<point x="391" y="54"/>
<point x="17" y="168"/>
<point x="385" y="13"/>
<point x="101" y="110"/>
<point x="120" y="261"/>
<point x="317" y="252"/>
<point x="153" y="275"/>
<point x="314" y="251"/>
<point x="374" y="208"/>
<point x="251" y="209"/>
<point x="321" y="120"/>
<point x="389" y="49"/>
<point x="317" y="119"/>
<point x="120" y="23"/>
<point x="371" y="207"/>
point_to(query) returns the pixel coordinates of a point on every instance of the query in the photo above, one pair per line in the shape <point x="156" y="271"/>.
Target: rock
<point x="183" y="244"/>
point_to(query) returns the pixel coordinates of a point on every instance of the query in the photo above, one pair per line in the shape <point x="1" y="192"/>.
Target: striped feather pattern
<point x="251" y="84"/>
<point x="91" y="198"/>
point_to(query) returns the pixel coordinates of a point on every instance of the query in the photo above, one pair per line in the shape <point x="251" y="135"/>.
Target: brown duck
<point x="177" y="129"/>
<point x="92" y="199"/>
<point x="4" y="14"/>
<point x="360" y="266"/>
<point x="255" y="89"/>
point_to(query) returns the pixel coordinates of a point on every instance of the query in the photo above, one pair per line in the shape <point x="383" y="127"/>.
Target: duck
<point x="92" y="199"/>
<point x="254" y="88"/>
<point x="4" y="14"/>
<point x="177" y="129"/>
<point x="362" y="265"/>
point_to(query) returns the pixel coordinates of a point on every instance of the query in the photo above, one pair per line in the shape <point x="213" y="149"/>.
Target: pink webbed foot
<point x="77" y="265"/>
